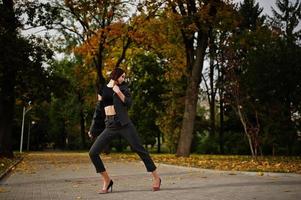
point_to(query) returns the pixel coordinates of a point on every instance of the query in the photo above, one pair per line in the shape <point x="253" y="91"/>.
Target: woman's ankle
<point x="105" y="176"/>
<point x="155" y="175"/>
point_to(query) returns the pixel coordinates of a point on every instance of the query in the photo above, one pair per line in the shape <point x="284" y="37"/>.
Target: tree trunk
<point x="195" y="60"/>
<point x="7" y="107"/>
<point x="221" y="131"/>
<point x="82" y="128"/>
<point x="64" y="139"/>
<point x="188" y="120"/>
<point x="159" y="142"/>
<point x="191" y="98"/>
<point x="251" y="132"/>
<point x="242" y="120"/>
<point x="99" y="64"/>
<point x="221" y="103"/>
<point x="8" y="77"/>
<point x="290" y="131"/>
<point x="212" y="93"/>
<point x="82" y="119"/>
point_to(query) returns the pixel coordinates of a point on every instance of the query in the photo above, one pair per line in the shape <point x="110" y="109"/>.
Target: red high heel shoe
<point x="157" y="188"/>
<point x="104" y="191"/>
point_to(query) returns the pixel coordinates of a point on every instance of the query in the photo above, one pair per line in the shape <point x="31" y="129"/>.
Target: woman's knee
<point x="93" y="153"/>
<point x="97" y="147"/>
<point x="138" y="148"/>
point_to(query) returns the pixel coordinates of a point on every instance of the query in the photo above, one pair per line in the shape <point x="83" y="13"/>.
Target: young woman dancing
<point x="116" y="99"/>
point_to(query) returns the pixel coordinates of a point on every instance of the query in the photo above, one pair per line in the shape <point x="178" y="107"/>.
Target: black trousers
<point x="114" y="128"/>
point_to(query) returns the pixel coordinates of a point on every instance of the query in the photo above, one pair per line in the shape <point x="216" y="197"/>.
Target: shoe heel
<point x="110" y="186"/>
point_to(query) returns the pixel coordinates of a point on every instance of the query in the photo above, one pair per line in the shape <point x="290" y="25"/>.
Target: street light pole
<point x="22" y="130"/>
<point x="28" y="135"/>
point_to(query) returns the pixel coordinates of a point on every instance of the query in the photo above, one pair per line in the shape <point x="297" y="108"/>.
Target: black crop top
<point x="107" y="96"/>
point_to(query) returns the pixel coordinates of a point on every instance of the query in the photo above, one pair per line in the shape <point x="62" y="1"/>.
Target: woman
<point x="116" y="99"/>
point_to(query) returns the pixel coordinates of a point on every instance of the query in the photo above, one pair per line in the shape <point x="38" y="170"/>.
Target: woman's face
<point x="121" y="78"/>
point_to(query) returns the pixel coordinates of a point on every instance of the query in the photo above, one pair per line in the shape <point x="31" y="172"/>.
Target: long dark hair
<point x="116" y="73"/>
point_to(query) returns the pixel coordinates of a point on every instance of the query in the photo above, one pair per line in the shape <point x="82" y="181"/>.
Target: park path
<point x="47" y="176"/>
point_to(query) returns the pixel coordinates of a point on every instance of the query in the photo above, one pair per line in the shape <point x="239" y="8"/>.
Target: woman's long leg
<point x="131" y="135"/>
<point x="99" y="144"/>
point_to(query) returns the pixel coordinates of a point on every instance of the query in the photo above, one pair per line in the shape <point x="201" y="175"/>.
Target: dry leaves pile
<point x="236" y="163"/>
<point x="226" y="162"/>
<point x="218" y="162"/>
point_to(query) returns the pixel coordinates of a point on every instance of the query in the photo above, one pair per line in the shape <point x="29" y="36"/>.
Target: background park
<point x="216" y="84"/>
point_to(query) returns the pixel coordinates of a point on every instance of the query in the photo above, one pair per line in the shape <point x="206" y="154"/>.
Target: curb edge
<point x="9" y="169"/>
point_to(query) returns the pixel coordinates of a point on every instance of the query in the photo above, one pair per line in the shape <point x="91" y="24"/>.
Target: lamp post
<point x="22" y="130"/>
<point x="28" y="135"/>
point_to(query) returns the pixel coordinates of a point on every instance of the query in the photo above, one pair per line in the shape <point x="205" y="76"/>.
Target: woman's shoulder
<point x="101" y="88"/>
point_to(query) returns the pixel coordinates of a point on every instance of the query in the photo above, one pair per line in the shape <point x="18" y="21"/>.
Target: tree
<point x="213" y="73"/>
<point x="262" y="84"/>
<point x="21" y="70"/>
<point x="195" y="32"/>
<point x="94" y="26"/>
<point x="282" y="89"/>
<point x="250" y="12"/>
<point x="211" y="89"/>
<point x="147" y="86"/>
<point x="9" y="42"/>
<point x="167" y="48"/>
<point x="288" y="18"/>
<point x="238" y="93"/>
<point x="88" y="30"/>
<point x="273" y="80"/>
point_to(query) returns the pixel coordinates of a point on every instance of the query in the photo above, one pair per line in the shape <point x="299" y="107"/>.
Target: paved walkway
<point x="62" y="177"/>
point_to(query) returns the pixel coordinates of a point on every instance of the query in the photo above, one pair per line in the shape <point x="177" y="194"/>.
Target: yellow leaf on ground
<point x="260" y="173"/>
<point x="2" y="190"/>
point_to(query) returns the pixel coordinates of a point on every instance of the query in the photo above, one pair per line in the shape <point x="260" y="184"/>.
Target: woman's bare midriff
<point x="110" y="110"/>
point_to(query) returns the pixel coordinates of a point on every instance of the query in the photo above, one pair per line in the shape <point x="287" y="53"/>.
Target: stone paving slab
<point x="78" y="180"/>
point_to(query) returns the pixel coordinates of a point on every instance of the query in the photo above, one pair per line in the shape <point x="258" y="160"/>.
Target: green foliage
<point x="250" y="12"/>
<point x="268" y="84"/>
<point x="34" y="81"/>
<point x="288" y="18"/>
<point x="23" y="76"/>
<point x="274" y="82"/>
<point x="270" y="77"/>
<point x="170" y="121"/>
<point x="40" y="137"/>
<point x="147" y="86"/>
<point x="71" y="97"/>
